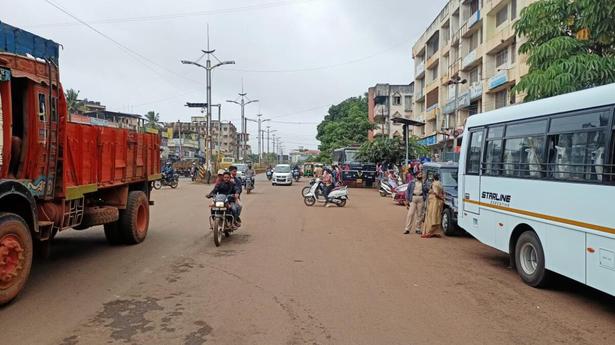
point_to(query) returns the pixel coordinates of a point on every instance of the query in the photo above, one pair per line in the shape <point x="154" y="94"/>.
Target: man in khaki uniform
<point x="415" y="198"/>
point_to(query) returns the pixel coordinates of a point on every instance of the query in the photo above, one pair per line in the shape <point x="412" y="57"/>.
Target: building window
<point x="513" y="53"/>
<point x="502" y="16"/>
<point x="475" y="75"/>
<point x="474" y="41"/>
<point x="408" y="103"/>
<point x="434" y="73"/>
<point x="513" y="9"/>
<point x="396" y="100"/>
<point x="501" y="99"/>
<point x="476" y="145"/>
<point x="501" y="58"/>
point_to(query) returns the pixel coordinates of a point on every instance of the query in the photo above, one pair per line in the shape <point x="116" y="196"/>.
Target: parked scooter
<point x="320" y="191"/>
<point x="221" y="220"/>
<point x="338" y="196"/>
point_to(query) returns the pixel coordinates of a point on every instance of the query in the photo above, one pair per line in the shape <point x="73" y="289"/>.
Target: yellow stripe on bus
<point x="545" y="217"/>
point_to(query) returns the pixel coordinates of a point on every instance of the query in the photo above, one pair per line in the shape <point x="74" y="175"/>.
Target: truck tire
<point x="134" y="220"/>
<point x="530" y="260"/>
<point x="16" y="251"/>
<point x="97" y="216"/>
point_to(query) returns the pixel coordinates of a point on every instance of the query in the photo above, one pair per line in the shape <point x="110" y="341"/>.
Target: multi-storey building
<point x="386" y="102"/>
<point x="465" y="63"/>
<point x="225" y="136"/>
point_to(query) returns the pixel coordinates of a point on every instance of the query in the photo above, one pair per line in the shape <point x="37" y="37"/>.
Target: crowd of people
<point x="424" y="197"/>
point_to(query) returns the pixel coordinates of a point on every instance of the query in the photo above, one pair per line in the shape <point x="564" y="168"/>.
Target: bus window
<point x="523" y="157"/>
<point x="577" y="156"/>
<point x="493" y="157"/>
<point x="474" y="157"/>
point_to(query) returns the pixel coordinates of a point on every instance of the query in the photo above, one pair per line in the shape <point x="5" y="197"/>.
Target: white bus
<point x="537" y="181"/>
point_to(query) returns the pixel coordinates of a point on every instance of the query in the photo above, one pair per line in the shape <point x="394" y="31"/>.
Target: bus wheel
<point x="16" y="253"/>
<point x="530" y="260"/>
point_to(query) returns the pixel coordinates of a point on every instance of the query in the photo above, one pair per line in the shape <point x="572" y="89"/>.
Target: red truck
<point x="56" y="174"/>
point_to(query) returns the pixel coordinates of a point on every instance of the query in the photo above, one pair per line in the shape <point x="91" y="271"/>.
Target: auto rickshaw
<point x="308" y="169"/>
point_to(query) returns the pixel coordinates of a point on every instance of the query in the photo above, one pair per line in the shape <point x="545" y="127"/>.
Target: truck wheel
<point x="16" y="252"/>
<point x="134" y="220"/>
<point x="530" y="260"/>
<point x="112" y="233"/>
<point x="448" y="226"/>
<point x="98" y="215"/>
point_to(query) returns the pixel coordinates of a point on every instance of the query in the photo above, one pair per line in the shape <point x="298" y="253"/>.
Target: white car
<point x="282" y="175"/>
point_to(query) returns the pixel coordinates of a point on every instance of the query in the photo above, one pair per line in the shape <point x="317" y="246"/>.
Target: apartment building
<point x="225" y="135"/>
<point x="385" y="103"/>
<point x="466" y="62"/>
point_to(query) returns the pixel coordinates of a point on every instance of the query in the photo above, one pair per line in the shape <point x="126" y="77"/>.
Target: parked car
<point x="448" y="178"/>
<point x="282" y="174"/>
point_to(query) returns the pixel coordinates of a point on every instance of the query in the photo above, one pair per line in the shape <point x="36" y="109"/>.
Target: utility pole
<point x="243" y="96"/>
<point x="208" y="68"/>
<point x="179" y="125"/>
<point x="260" y="141"/>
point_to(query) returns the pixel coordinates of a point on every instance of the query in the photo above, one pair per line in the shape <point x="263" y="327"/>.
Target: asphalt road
<point x="292" y="275"/>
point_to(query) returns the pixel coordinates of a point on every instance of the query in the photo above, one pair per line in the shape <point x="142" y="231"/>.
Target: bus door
<point x="471" y="183"/>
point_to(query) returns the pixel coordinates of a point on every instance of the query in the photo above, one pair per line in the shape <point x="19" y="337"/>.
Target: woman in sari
<point x="433" y="218"/>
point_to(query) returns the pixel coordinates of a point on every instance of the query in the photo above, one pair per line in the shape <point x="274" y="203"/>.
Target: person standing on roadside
<point x="433" y="218"/>
<point x="415" y="197"/>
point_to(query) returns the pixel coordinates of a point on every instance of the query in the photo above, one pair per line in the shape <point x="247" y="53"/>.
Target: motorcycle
<point x="338" y="196"/>
<point x="221" y="220"/>
<point x="269" y="174"/>
<point x="249" y="183"/>
<point x="172" y="182"/>
<point x="296" y="175"/>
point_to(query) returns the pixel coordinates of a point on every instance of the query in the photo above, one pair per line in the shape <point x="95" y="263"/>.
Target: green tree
<point x="153" y="119"/>
<point x="72" y="102"/>
<point x="391" y="150"/>
<point x="345" y="124"/>
<point x="570" y="46"/>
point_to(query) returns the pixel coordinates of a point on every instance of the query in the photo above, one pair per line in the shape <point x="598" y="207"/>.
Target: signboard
<point x="498" y="79"/>
<point x="476" y="91"/>
<point x="464" y="100"/>
<point x="80" y="119"/>
<point x="428" y="141"/>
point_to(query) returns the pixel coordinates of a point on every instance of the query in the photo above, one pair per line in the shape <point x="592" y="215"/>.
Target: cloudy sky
<point x="297" y="57"/>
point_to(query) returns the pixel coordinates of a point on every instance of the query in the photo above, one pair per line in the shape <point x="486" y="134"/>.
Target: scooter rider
<point x="227" y="187"/>
<point x="327" y="180"/>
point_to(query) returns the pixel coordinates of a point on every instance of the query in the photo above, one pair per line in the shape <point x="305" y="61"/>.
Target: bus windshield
<point x="351" y="156"/>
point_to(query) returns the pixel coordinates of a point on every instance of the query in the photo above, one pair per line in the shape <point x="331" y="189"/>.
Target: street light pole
<point x="260" y="141"/>
<point x="208" y="68"/>
<point x="242" y="102"/>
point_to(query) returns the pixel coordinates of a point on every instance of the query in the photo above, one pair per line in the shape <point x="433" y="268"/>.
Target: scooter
<point x="386" y="189"/>
<point x="269" y="174"/>
<point x="338" y="196"/>
<point x="296" y="175"/>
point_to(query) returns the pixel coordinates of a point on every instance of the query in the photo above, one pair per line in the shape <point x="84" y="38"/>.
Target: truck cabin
<point x="30" y="96"/>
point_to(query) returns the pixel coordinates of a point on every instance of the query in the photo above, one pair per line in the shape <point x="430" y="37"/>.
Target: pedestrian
<point x="435" y="203"/>
<point x="415" y="197"/>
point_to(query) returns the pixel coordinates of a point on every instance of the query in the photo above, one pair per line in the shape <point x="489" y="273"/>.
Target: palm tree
<point x="153" y="119"/>
<point x="72" y="100"/>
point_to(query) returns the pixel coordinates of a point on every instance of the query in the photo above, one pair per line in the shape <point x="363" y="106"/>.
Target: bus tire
<point x="16" y="251"/>
<point x="530" y="260"/>
<point x="134" y="220"/>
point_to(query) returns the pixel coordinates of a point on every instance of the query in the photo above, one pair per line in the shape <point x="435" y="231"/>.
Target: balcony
<point x="381" y="113"/>
<point x="419" y="71"/>
<point x="419" y="95"/>
<point x="432" y="112"/>
<point x="472" y="59"/>
<point x="474" y="19"/>
<point x="433" y="60"/>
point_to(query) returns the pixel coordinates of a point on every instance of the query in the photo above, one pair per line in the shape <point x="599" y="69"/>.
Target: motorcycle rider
<point x="227" y="187"/>
<point x="250" y="173"/>
<point x="168" y="172"/>
<point x="238" y="185"/>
